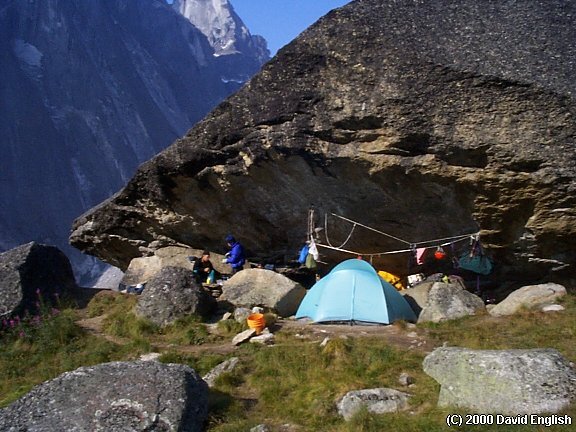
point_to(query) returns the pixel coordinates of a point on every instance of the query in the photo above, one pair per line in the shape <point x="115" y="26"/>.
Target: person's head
<point x="230" y="240"/>
<point x="205" y="256"/>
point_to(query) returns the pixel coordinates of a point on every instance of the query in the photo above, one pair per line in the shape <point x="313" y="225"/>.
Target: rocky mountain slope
<point x="90" y="90"/>
<point x="424" y="119"/>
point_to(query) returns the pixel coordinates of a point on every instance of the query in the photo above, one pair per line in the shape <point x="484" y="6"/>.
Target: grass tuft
<point x="187" y="331"/>
<point x="231" y="327"/>
<point x="128" y="325"/>
<point x="46" y="347"/>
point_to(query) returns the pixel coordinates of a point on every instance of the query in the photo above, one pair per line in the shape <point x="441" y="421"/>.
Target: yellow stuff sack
<point x="392" y="280"/>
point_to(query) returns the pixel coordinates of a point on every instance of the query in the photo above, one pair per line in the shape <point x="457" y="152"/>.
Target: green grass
<point x="202" y="364"/>
<point x="231" y="327"/>
<point x="187" y="331"/>
<point x="38" y="351"/>
<point x="301" y="382"/>
<point x="528" y="329"/>
<point x="121" y="320"/>
<point x="109" y="302"/>
<point x="296" y="381"/>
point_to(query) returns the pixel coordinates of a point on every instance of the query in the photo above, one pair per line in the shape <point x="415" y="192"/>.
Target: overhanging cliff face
<point x="409" y="116"/>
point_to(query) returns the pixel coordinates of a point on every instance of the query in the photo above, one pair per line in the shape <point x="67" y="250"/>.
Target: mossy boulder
<point x="503" y="381"/>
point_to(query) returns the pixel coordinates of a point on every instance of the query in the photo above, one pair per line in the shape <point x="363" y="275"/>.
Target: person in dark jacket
<point x="235" y="257"/>
<point x="203" y="268"/>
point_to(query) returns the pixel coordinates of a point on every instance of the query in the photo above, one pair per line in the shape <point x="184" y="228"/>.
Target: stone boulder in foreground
<point x="376" y="401"/>
<point x="411" y="117"/>
<point x="506" y="382"/>
<point x="121" y="396"/>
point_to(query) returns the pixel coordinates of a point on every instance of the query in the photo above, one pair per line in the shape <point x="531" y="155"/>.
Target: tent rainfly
<point x="354" y="292"/>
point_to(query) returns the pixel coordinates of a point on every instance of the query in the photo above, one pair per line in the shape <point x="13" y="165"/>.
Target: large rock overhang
<point x="351" y="119"/>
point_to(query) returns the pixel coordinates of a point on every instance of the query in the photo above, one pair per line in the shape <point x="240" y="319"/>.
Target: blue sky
<point x="280" y="21"/>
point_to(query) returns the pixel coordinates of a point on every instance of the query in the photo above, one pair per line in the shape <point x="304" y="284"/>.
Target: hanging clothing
<point x="303" y="254"/>
<point x="480" y="263"/>
<point x="420" y="255"/>
<point x="313" y="250"/>
<point x="311" y="262"/>
<point x="476" y="260"/>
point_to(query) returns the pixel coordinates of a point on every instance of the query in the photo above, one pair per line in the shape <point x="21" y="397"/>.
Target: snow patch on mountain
<point x="223" y="28"/>
<point x="214" y="18"/>
<point x="27" y="53"/>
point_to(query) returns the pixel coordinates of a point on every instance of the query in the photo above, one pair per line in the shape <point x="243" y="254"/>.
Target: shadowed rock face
<point x="34" y="273"/>
<point x="413" y="117"/>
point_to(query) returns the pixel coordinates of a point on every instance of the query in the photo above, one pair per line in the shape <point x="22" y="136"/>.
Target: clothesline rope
<point x="372" y="229"/>
<point x="374" y="254"/>
<point x="445" y="241"/>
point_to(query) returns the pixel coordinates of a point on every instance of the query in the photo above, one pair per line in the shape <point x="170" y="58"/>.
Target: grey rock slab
<point x="417" y="296"/>
<point x="405" y="379"/>
<point x="531" y="296"/>
<point x="264" y="339"/>
<point x="150" y="356"/>
<point x="553" y="308"/>
<point x="241" y="314"/>
<point x="171" y="294"/>
<point x="502" y="381"/>
<point x="259" y="287"/>
<point x="243" y="336"/>
<point x="476" y="125"/>
<point x="260" y="428"/>
<point x="449" y="301"/>
<point x="143" y="269"/>
<point x="377" y="401"/>
<point x="34" y="273"/>
<point x="224" y="367"/>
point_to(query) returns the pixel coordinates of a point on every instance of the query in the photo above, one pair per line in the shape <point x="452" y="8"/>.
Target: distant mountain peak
<point x="222" y="27"/>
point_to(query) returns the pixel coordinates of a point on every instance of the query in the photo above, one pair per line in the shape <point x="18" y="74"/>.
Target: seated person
<point x="204" y="269"/>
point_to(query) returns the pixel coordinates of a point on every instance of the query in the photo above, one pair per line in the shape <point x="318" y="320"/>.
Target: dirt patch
<point x="95" y="326"/>
<point x="406" y="336"/>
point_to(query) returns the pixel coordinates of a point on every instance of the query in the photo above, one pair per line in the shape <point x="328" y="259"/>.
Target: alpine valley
<point x="90" y="90"/>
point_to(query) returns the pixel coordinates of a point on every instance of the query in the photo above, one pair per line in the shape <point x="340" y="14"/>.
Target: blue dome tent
<point x="353" y="291"/>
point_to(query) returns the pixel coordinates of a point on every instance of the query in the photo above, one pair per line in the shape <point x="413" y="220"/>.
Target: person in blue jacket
<point x="235" y="257"/>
